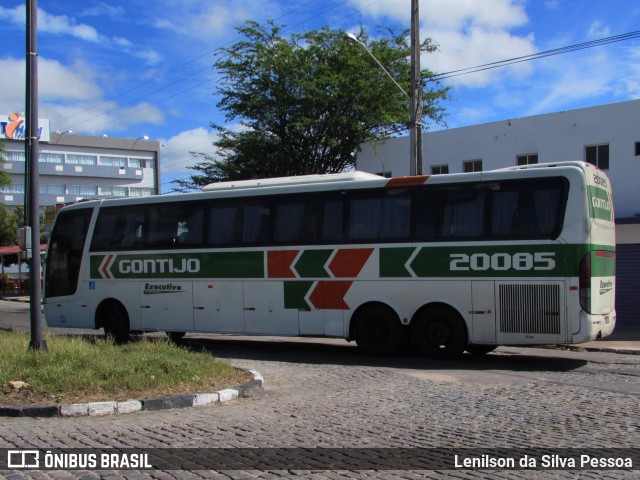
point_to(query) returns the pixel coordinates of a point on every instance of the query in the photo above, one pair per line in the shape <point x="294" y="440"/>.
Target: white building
<point x="607" y="135"/>
<point x="75" y="167"/>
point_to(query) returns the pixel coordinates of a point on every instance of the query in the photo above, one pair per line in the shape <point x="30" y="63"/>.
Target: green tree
<point x="7" y="218"/>
<point x="305" y="104"/>
<point x="5" y="178"/>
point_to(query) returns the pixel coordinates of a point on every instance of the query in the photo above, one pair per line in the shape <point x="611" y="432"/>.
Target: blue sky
<point x="134" y="68"/>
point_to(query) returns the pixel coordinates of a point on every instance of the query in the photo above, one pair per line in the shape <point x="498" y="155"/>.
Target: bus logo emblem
<point x="105" y="267"/>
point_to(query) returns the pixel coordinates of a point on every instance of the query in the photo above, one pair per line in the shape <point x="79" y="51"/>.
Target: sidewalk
<point x="623" y="340"/>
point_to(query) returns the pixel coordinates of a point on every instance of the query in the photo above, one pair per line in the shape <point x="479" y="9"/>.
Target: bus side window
<point x="315" y="220"/>
<point x="289" y="221"/>
<point x="222" y="220"/>
<point x="426" y="213"/>
<point x="385" y="215"/>
<point x="255" y="226"/>
<point x="463" y="212"/>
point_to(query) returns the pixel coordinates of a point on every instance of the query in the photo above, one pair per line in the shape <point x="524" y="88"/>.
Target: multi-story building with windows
<point x="76" y="167"/>
<point x="606" y="136"/>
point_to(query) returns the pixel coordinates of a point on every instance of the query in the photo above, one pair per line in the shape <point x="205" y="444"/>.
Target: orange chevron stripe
<point x="279" y="263"/>
<point x="348" y="262"/>
<point x="407" y="181"/>
<point x="329" y="295"/>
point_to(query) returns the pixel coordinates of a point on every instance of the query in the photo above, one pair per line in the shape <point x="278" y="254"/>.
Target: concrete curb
<point x="95" y="409"/>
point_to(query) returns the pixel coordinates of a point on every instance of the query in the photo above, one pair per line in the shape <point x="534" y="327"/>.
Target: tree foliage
<point x="5" y="178"/>
<point x="305" y="104"/>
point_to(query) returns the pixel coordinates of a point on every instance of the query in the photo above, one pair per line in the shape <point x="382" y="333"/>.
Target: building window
<point x="637" y="149"/>
<point x="472" y="166"/>
<point x="82" y="190"/>
<point x="439" y="169"/>
<point x="13" y="188"/>
<point x="530" y="159"/>
<point x="112" y="161"/>
<point x="114" y="191"/>
<point x="598" y="155"/>
<point x="140" y="192"/>
<point x="51" y="189"/>
<point x="136" y="162"/>
<point x="14" y="156"/>
<point x="82" y="159"/>
<point x="150" y="163"/>
<point x="49" y="157"/>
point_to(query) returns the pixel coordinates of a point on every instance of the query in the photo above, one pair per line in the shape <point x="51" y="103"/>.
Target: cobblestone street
<point x="326" y="394"/>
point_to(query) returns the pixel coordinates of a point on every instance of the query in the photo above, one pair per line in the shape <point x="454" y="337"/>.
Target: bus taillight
<point x="585" y="283"/>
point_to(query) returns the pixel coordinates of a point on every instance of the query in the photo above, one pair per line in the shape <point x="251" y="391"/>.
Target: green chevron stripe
<point x="393" y="261"/>
<point x="295" y="292"/>
<point x="311" y="263"/>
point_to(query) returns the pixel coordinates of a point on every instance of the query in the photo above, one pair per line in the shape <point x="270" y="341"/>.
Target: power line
<point x="535" y="56"/>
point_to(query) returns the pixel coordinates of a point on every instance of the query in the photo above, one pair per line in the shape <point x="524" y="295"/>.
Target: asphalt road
<point x="324" y="393"/>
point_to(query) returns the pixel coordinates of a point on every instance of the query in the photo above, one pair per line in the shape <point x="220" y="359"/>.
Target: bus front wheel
<point x="115" y="322"/>
<point x="439" y="332"/>
<point x="378" y="330"/>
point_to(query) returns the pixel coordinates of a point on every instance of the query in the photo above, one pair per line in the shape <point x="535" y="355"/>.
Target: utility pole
<point x="31" y="147"/>
<point x="415" y="134"/>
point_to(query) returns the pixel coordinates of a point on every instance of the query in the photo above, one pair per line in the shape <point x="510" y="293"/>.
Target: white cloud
<point x="477" y="47"/>
<point x="56" y="82"/>
<point x="591" y="77"/>
<point x="450" y="14"/>
<point x="56" y="24"/>
<point x="598" y="29"/>
<point x="71" y="97"/>
<point x="65" y="25"/>
<point x="103" y="10"/>
<point x="468" y="33"/>
<point x="175" y="154"/>
<point x="214" y="20"/>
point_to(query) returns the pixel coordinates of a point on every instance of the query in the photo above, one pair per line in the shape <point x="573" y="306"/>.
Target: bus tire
<point x="115" y="321"/>
<point x="176" y="336"/>
<point x="439" y="332"/>
<point x="475" y="349"/>
<point x="378" y="330"/>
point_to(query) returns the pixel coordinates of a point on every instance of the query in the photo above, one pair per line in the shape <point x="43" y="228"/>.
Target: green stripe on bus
<point x="485" y="261"/>
<point x="178" y="265"/>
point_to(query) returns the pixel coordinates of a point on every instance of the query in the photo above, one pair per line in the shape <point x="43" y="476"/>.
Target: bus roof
<point x="295" y="180"/>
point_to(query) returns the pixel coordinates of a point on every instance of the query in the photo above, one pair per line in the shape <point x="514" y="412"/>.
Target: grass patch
<point x="78" y="369"/>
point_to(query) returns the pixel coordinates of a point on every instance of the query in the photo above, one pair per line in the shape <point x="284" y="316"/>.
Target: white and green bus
<point x="443" y="263"/>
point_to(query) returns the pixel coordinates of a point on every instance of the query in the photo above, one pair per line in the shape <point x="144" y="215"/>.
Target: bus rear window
<point x="65" y="252"/>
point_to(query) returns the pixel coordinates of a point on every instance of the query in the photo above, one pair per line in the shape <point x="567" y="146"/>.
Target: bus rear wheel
<point x="439" y="332"/>
<point x="115" y="321"/>
<point x="378" y="330"/>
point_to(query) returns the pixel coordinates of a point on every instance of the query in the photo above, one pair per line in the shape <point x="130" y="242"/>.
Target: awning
<point x="15" y="249"/>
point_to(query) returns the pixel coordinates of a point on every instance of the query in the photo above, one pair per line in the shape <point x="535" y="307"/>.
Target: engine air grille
<point x="530" y="308"/>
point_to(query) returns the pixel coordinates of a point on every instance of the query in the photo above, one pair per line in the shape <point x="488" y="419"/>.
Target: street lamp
<point x="351" y="38"/>
<point x="145" y="138"/>
<point x="415" y="100"/>
<point x="60" y="134"/>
